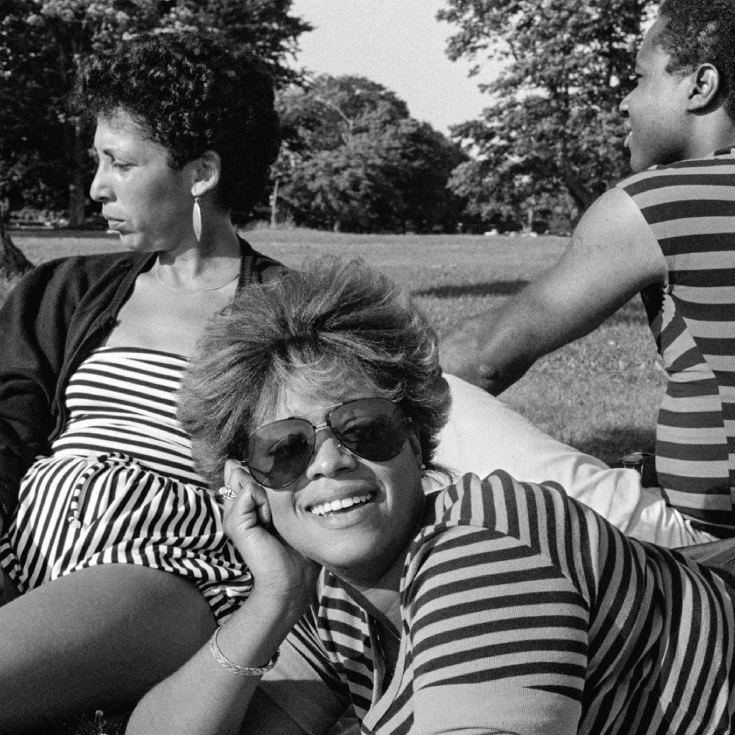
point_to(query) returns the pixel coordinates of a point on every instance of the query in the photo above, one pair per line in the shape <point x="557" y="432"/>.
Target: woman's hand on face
<point x="281" y="570"/>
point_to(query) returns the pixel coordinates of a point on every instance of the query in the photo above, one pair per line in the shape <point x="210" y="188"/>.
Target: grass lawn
<point x="599" y="394"/>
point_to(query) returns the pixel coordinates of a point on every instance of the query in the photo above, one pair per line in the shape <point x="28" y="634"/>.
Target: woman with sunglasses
<point x="485" y="606"/>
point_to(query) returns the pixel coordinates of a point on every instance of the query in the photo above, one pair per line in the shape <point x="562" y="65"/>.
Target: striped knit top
<point x="525" y="611"/>
<point x="690" y="208"/>
<point x="123" y="399"/>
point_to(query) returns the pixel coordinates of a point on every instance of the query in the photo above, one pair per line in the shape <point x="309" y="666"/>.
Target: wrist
<point x="287" y="605"/>
<point x="231" y="666"/>
<point x="251" y="638"/>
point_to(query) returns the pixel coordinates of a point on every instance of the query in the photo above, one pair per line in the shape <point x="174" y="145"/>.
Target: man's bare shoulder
<point x="614" y="218"/>
<point x="614" y="231"/>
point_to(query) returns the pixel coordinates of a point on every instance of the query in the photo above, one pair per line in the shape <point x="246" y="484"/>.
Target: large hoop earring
<point x="196" y="219"/>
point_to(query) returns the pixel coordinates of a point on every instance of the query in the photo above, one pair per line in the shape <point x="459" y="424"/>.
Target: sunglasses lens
<point x="372" y="428"/>
<point x="280" y="452"/>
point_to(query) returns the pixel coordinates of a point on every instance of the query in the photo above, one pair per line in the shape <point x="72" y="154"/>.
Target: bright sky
<point x="398" y="43"/>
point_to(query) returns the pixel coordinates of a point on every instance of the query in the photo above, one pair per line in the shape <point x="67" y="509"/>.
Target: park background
<point x="463" y="216"/>
<point x="461" y="197"/>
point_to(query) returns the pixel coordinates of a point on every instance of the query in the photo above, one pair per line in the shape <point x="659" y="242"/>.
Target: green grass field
<point x="599" y="394"/>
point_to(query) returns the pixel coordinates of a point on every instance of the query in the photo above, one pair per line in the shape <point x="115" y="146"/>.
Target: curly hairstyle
<point x="335" y="323"/>
<point x="190" y="94"/>
<point x="700" y="32"/>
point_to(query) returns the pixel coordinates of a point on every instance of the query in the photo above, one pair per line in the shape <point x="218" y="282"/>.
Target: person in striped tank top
<point x="486" y="606"/>
<point x="668" y="232"/>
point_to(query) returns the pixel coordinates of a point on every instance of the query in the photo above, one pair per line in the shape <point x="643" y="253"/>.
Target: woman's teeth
<point x="334" y="505"/>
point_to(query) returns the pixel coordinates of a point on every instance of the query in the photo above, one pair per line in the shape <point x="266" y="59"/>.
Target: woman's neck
<point x="383" y="596"/>
<point x="209" y="264"/>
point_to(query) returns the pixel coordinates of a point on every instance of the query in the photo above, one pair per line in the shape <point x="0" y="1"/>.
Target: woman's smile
<point x="346" y="512"/>
<point x="340" y="505"/>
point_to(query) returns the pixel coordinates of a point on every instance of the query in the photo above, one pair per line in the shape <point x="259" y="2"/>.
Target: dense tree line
<point x="354" y="160"/>
<point x="43" y="144"/>
<point x="549" y="142"/>
<point x="551" y="139"/>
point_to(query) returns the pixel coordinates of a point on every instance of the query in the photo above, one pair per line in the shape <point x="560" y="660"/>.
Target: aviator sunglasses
<point x="371" y="428"/>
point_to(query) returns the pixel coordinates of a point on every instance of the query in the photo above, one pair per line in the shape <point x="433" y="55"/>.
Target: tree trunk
<point x="12" y="260"/>
<point x="274" y="205"/>
<point x="77" y="200"/>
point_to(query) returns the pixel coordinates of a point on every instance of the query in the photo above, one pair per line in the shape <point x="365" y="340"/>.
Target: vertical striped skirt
<point x="78" y="512"/>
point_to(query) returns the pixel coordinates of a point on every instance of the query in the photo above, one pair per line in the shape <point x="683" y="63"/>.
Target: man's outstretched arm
<point x="612" y="256"/>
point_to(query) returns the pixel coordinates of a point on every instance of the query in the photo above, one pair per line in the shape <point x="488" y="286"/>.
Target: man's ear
<point x="705" y="87"/>
<point x="205" y="173"/>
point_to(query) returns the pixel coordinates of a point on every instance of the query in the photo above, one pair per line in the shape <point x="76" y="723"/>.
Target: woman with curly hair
<point x="112" y="546"/>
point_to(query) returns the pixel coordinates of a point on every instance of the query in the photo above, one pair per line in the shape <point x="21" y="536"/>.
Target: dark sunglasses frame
<point x="390" y="450"/>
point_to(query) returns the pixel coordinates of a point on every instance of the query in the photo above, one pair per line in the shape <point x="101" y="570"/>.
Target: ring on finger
<point x="226" y="492"/>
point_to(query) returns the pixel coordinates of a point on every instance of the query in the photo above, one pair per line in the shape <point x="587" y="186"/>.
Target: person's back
<point x="690" y="209"/>
<point x="681" y="111"/>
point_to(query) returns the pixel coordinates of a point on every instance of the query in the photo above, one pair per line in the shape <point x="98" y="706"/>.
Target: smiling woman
<point x="486" y="605"/>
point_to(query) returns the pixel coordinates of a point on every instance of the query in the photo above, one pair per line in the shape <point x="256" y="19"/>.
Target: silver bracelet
<point x="225" y="662"/>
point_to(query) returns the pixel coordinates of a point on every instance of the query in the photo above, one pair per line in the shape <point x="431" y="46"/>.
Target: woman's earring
<point x="196" y="217"/>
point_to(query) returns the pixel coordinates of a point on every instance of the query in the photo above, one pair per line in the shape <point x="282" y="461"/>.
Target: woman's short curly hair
<point x="334" y="326"/>
<point x="700" y="32"/>
<point x="191" y="94"/>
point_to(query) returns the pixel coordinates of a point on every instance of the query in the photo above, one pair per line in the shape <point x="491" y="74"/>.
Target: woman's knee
<point x="97" y="638"/>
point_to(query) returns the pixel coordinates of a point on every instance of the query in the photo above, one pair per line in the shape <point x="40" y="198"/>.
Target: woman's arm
<point x="34" y="321"/>
<point x="204" y="698"/>
<point x="207" y="698"/>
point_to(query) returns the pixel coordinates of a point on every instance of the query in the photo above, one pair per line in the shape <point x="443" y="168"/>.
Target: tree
<point x="354" y="160"/>
<point x="13" y="261"/>
<point x="42" y="45"/>
<point x="551" y="141"/>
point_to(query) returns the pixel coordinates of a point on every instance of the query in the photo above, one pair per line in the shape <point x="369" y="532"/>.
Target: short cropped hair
<point x="701" y="32"/>
<point x="339" y="323"/>
<point x="190" y="94"/>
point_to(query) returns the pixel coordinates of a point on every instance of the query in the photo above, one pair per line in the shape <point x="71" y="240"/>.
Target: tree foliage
<point x="42" y="44"/>
<point x="551" y="140"/>
<point x="354" y="160"/>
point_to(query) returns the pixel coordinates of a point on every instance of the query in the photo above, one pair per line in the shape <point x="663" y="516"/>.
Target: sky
<point x="399" y="44"/>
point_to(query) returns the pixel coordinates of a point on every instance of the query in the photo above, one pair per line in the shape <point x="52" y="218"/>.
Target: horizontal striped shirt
<point x="120" y="487"/>
<point x="690" y="209"/>
<point x="527" y="612"/>
<point x="123" y="399"/>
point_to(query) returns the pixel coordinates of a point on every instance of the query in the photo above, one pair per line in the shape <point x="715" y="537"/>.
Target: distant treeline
<point x="353" y="158"/>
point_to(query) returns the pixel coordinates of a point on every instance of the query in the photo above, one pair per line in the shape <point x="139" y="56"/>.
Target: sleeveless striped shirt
<point x="690" y="208"/>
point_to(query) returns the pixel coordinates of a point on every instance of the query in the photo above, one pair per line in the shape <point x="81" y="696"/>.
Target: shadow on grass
<point x="631" y="313"/>
<point x="612" y="444"/>
<point x="496" y="288"/>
